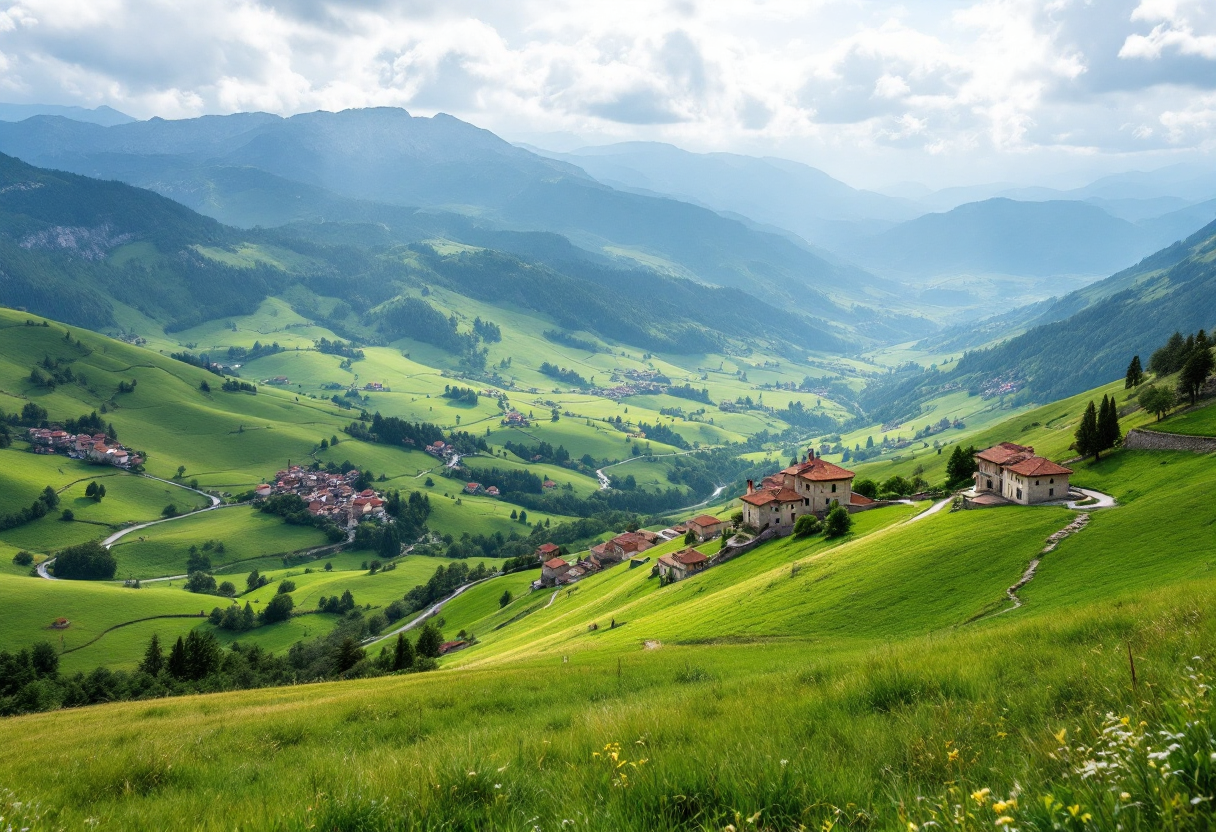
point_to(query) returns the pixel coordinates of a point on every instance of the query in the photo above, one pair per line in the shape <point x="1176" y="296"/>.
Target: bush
<point x="169" y="511"/>
<point x="67" y="514"/>
<point x="279" y="609"/>
<point x="838" y="522"/>
<point x="505" y="598"/>
<point x="85" y="562"/>
<point x="23" y="558"/>
<point x="807" y="525"/>
<point x="286" y="586"/>
<point x="377" y="623"/>
<point x="227" y="589"/>
<point x="200" y="582"/>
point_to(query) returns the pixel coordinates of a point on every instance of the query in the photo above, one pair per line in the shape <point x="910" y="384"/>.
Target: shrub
<point x="838" y="522"/>
<point x="200" y="582"/>
<point x="227" y="589"/>
<point x="286" y="586"/>
<point x="169" y="511"/>
<point x="85" y="562"/>
<point x="67" y="514"/>
<point x="279" y="609"/>
<point x="23" y="558"/>
<point x="807" y="525"/>
<point x="505" y="598"/>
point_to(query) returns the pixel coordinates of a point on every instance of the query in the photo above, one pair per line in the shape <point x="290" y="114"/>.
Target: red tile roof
<point x="548" y="548"/>
<point x="690" y="557"/>
<point x="705" y="521"/>
<point x="771" y="495"/>
<point x="860" y="499"/>
<point x="1037" y="466"/>
<point x="819" y="470"/>
<point x="1004" y="452"/>
<point x="555" y="563"/>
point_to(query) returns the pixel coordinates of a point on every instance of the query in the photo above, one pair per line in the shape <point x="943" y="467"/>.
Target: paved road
<point x="114" y="538"/>
<point x="933" y="509"/>
<point x="1104" y="500"/>
<point x="423" y="616"/>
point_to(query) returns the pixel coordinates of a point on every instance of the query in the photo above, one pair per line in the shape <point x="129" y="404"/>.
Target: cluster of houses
<point x="514" y="419"/>
<point x="634" y="388"/>
<point x="329" y="495"/>
<point x="628" y="546"/>
<point x="439" y="449"/>
<point x="476" y="488"/>
<point x="89" y="447"/>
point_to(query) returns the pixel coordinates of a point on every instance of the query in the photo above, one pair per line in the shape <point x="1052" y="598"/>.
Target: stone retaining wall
<point x="1151" y="440"/>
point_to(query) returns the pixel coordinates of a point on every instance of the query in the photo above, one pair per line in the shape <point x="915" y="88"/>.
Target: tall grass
<point x="763" y="736"/>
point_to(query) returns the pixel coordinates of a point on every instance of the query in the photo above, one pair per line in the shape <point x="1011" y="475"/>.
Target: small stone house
<point x="553" y="569"/>
<point x="547" y="551"/>
<point x="679" y="565"/>
<point x="1015" y="473"/>
<point x="706" y="527"/>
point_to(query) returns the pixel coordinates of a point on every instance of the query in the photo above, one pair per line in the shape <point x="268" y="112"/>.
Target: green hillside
<point x="802" y="682"/>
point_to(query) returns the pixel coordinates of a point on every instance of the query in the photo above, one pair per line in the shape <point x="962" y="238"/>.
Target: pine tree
<point x="177" y="660"/>
<point x="403" y="654"/>
<point x="429" y="641"/>
<point x="1135" y="374"/>
<point x="154" y="659"/>
<point x="101" y="492"/>
<point x="1088" y="441"/>
<point x="390" y="542"/>
<point x="1108" y="423"/>
<point x="1195" y="371"/>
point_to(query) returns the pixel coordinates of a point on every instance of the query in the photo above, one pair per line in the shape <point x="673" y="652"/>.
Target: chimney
<point x="810" y="455"/>
<point x="751" y="488"/>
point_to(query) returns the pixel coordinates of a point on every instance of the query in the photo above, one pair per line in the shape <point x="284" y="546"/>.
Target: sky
<point x="934" y="91"/>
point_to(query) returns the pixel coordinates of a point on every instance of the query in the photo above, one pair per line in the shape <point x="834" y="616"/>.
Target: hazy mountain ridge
<point x="329" y="165"/>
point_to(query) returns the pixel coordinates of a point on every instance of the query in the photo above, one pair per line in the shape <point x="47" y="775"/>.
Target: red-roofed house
<point x="1015" y="473"/>
<point x="679" y="565"/>
<point x="809" y="487"/>
<point x="547" y="551"/>
<point x="706" y="527"/>
<point x="553" y="569"/>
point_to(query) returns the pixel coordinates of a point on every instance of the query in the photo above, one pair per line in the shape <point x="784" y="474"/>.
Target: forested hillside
<point x="1172" y="290"/>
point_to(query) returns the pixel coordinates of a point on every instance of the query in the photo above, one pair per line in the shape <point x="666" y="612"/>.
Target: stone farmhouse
<point x="706" y="527"/>
<point x="809" y="487"/>
<point x="679" y="565"/>
<point x="1013" y="473"/>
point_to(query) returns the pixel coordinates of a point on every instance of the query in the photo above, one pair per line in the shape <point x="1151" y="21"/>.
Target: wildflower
<point x="1000" y="735"/>
<point x="1125" y="796"/>
<point x="1062" y="735"/>
<point x="1003" y="820"/>
<point x="1000" y="806"/>
<point x="981" y="797"/>
<point x="785" y="763"/>
<point x="472" y="774"/>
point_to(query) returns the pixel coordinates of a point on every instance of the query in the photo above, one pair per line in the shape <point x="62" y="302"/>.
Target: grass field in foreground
<point x="789" y="733"/>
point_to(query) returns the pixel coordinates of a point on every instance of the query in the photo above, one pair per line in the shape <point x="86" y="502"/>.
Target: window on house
<point x="1051" y="492"/>
<point x="1019" y="493"/>
<point x="1052" y="480"/>
<point x="1036" y="482"/>
<point x="833" y="488"/>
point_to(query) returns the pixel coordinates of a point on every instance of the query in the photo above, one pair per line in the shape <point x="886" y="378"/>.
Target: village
<point x="96" y="448"/>
<point x="328" y="495"/>
<point x="1007" y="474"/>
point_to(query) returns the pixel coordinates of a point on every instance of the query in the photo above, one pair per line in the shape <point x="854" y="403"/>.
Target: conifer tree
<point x="154" y="659"/>
<point x="403" y="654"/>
<point x="1108" y="423"/>
<point x="1135" y="374"/>
<point x="1088" y="441"/>
<point x="177" y="660"/>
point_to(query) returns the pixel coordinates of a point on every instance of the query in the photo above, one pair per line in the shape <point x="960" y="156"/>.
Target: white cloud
<point x="849" y="78"/>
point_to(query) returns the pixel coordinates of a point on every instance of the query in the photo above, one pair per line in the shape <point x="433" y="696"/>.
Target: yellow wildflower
<point x="1004" y="820"/>
<point x="1000" y="806"/>
<point x="981" y="797"/>
<point x="1063" y="733"/>
<point x="1125" y="796"/>
<point x="953" y="755"/>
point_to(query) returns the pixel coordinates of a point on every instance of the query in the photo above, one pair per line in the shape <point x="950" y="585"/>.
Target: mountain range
<point x="364" y="165"/>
